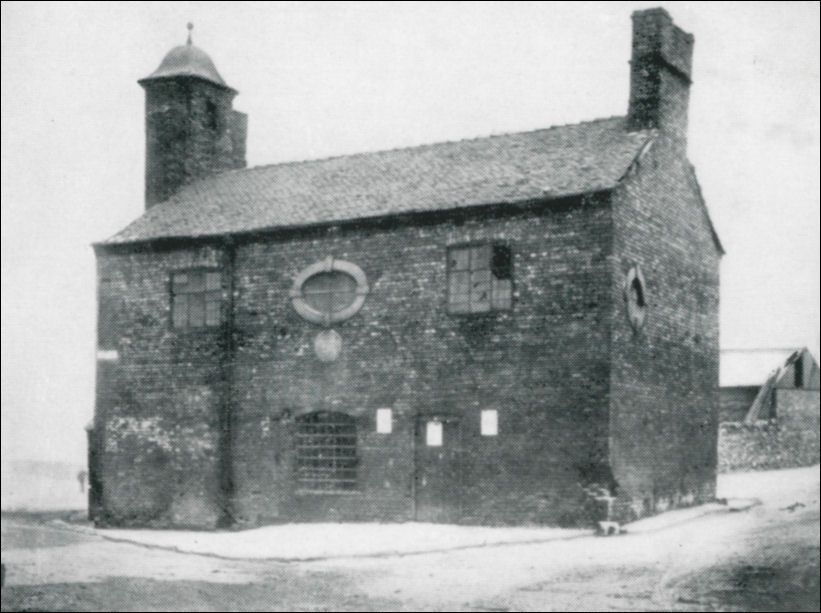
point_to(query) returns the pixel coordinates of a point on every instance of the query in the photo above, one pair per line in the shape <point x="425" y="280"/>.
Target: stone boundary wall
<point x="765" y="445"/>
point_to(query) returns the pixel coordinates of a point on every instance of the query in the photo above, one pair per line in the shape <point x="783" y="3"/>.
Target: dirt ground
<point x="765" y="558"/>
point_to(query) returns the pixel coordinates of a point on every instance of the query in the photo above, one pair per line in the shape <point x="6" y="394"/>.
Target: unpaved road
<point x="762" y="559"/>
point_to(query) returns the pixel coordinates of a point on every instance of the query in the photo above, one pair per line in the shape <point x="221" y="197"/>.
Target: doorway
<point x="438" y="476"/>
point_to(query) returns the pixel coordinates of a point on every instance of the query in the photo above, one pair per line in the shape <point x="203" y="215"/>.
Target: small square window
<point x="196" y="299"/>
<point x="433" y="434"/>
<point x="384" y="421"/>
<point x="480" y="278"/>
<point x="490" y="423"/>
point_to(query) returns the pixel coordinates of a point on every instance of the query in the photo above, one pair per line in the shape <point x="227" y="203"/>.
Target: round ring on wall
<point x="635" y="297"/>
<point x="325" y="269"/>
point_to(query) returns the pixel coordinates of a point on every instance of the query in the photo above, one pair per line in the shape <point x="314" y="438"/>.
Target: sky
<point x="323" y="79"/>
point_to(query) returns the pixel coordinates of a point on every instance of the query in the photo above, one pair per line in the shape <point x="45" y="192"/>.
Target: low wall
<point x="792" y="439"/>
<point x="765" y="445"/>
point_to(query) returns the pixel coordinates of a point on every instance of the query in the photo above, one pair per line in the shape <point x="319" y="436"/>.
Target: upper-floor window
<point x="635" y="297"/>
<point x="196" y="298"/>
<point x="329" y="291"/>
<point x="479" y="278"/>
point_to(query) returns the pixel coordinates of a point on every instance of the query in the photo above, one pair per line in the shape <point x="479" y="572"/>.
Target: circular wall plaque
<point x="327" y="345"/>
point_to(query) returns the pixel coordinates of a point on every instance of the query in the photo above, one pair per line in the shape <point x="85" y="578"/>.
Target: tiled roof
<point x="544" y="164"/>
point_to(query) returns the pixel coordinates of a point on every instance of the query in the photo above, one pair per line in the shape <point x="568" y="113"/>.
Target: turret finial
<point x="190" y="27"/>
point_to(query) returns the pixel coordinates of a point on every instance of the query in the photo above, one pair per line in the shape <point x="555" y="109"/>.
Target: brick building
<point x="497" y="330"/>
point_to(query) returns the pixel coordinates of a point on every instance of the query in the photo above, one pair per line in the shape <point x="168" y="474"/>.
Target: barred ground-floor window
<point x="326" y="452"/>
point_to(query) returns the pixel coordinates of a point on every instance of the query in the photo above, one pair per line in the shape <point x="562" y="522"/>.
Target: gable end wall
<point x="664" y="384"/>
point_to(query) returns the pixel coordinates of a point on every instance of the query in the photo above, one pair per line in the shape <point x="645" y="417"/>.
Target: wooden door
<point x="438" y="470"/>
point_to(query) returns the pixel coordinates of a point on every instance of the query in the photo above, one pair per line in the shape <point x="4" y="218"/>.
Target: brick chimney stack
<point x="660" y="71"/>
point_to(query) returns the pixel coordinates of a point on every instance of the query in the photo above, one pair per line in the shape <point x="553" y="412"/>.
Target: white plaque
<point x="108" y="355"/>
<point x="384" y="421"/>
<point x="490" y="422"/>
<point x="433" y="434"/>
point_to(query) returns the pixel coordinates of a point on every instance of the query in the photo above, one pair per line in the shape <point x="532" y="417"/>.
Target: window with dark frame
<point x="479" y="278"/>
<point x="637" y="293"/>
<point x="211" y="115"/>
<point x="635" y="296"/>
<point x="326" y="452"/>
<point x="196" y="299"/>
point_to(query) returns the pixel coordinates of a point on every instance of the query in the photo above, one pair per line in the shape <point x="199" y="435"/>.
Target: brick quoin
<point x="603" y="372"/>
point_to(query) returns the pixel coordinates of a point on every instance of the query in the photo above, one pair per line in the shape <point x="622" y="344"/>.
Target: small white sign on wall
<point x="490" y="422"/>
<point x="108" y="355"/>
<point x="384" y="421"/>
<point x="433" y="434"/>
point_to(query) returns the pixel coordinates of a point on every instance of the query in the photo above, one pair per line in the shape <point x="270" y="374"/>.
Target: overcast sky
<point x="327" y="79"/>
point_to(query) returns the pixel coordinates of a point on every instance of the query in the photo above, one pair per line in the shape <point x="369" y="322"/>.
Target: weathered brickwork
<point x="204" y="426"/>
<point x="664" y="381"/>
<point x="540" y="365"/>
<point x="191" y="132"/>
<point x="664" y="384"/>
<point x="156" y="417"/>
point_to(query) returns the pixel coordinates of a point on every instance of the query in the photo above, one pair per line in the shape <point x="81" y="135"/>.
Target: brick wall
<point x="664" y="385"/>
<point x="191" y="132"/>
<point x="543" y="366"/>
<point x="156" y="419"/>
<point x="660" y="71"/>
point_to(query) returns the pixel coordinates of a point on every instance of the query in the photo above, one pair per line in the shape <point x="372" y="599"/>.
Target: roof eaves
<point x="188" y="75"/>
<point x="477" y="208"/>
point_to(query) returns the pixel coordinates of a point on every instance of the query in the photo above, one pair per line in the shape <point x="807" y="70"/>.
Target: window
<point x="326" y="452"/>
<point x="329" y="291"/>
<point x="196" y="299"/>
<point x="635" y="297"/>
<point x="479" y="278"/>
<point x="211" y="115"/>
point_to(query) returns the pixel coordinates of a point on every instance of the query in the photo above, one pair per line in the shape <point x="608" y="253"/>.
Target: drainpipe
<point x="227" y="357"/>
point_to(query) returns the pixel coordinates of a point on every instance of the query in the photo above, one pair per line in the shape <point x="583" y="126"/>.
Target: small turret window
<point x="211" y="116"/>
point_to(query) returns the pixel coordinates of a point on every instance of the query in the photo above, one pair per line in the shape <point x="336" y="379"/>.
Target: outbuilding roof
<point x="505" y="169"/>
<point x="750" y="367"/>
